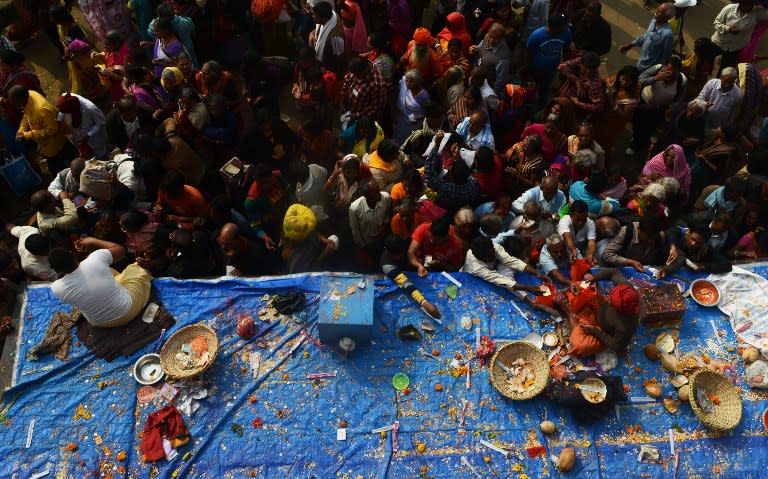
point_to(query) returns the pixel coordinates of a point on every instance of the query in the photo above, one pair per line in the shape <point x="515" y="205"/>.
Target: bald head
<point x="531" y="209"/>
<point x="549" y="187"/>
<point x="495" y="35"/>
<point x="228" y="236"/>
<point x="607" y="227"/>
<point x="42" y="201"/>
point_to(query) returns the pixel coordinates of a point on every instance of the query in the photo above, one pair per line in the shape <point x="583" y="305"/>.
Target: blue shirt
<point x="487" y="209"/>
<point x="656" y="45"/>
<point x="547" y="50"/>
<point x="596" y="205"/>
<point x="716" y="200"/>
<point x="535" y="194"/>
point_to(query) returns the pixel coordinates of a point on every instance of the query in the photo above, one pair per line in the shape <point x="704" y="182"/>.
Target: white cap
<point x="685" y="3"/>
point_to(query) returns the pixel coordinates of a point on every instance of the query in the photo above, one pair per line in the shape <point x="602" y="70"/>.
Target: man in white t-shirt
<point x="106" y="298"/>
<point x="33" y="250"/>
<point x="578" y="232"/>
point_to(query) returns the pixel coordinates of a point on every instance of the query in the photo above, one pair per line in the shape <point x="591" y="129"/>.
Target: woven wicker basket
<point x="726" y="415"/>
<point x="507" y="354"/>
<point x="175" y="368"/>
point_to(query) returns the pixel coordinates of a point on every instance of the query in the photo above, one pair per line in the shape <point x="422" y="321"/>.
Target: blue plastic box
<point x="346" y="309"/>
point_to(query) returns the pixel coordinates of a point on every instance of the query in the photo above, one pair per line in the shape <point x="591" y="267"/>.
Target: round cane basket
<point x="506" y="355"/>
<point x="176" y="368"/>
<point x="724" y="416"/>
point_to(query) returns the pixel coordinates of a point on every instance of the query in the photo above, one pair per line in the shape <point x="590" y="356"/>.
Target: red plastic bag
<point x="579" y="268"/>
<point x="547" y="300"/>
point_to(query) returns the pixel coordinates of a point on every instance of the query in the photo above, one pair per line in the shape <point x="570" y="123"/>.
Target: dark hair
<point x="490" y="224"/>
<point x="460" y="172"/>
<point x="455" y="42"/>
<point x="172" y="183"/>
<point x="60" y="14"/>
<point x="557" y="20"/>
<point x="323" y="10"/>
<point x="37" y="244"/>
<point x="165" y="10"/>
<point x="433" y="109"/>
<point x="135" y="73"/>
<point x="358" y="65"/>
<point x="214" y="67"/>
<point x="126" y="104"/>
<point x="19" y="92"/>
<point x="12" y="57"/>
<point x="440" y="227"/>
<point x="736" y="185"/>
<point x="395" y="244"/>
<point x="378" y="40"/>
<point x="189" y="93"/>
<point x="595" y="7"/>
<point x="597" y="183"/>
<point x="164" y="24"/>
<point x="262" y="171"/>
<point x="675" y="62"/>
<point x="387" y="148"/>
<point x="481" y="246"/>
<point x="650" y="224"/>
<point x="40" y="200"/>
<point x="484" y="159"/>
<point x="251" y="59"/>
<point x="114" y="37"/>
<point x="590" y="60"/>
<point x="133" y="220"/>
<point x="630" y="71"/>
<point x="412" y="176"/>
<point x="579" y="206"/>
<point x="62" y="260"/>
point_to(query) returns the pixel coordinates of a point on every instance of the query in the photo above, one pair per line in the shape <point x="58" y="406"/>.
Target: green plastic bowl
<point x="400" y="381"/>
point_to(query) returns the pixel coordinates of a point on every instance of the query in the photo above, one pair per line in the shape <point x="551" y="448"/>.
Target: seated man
<point x="105" y="298"/>
<point x="68" y="179"/>
<point x="547" y="195"/>
<point x="590" y="192"/>
<point x="393" y="260"/>
<point x="435" y="247"/>
<point x="49" y="217"/>
<point x="180" y="203"/>
<point x="578" y="232"/>
<point x="490" y="262"/>
<point x="500" y="207"/>
<point x="303" y="248"/>
<point x="33" y="250"/>
<point x="554" y="257"/>
<point x="533" y="226"/>
<point x="458" y="188"/>
<point x="637" y="244"/>
<point x="599" y="324"/>
<point x="688" y="246"/>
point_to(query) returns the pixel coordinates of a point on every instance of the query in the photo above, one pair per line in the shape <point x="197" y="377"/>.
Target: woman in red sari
<point x="455" y="27"/>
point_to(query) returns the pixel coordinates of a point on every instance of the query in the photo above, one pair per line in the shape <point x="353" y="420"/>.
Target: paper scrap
<point x="671" y="442"/>
<point x="382" y="429"/>
<point x="439" y="148"/>
<point x="255" y="360"/>
<point x="487" y="444"/>
<point x="30" y="430"/>
<point x="451" y="279"/>
<point x="341" y="434"/>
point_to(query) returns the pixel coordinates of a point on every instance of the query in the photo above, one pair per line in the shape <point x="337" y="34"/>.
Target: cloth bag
<point x="95" y="182"/>
<point x="19" y="174"/>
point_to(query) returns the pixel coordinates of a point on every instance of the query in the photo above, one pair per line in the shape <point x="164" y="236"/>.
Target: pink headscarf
<point x="357" y="36"/>
<point x="680" y="169"/>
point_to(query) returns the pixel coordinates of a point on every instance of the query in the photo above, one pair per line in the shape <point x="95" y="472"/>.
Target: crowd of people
<point x="277" y="137"/>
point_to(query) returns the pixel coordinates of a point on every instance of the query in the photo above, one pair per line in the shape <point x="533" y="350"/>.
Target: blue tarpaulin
<point x="283" y="425"/>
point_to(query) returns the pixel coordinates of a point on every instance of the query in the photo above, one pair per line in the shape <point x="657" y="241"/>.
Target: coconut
<point x="654" y="390"/>
<point x="567" y="459"/>
<point x="750" y="355"/>
<point x="548" y="427"/>
<point x="652" y="352"/>
<point x="670" y="363"/>
<point x="682" y="393"/>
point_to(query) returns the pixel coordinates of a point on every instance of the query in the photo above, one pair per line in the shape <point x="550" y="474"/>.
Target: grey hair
<point x="553" y="240"/>
<point x="698" y="103"/>
<point x="464" y="216"/>
<point x="611" y="226"/>
<point x="670" y="184"/>
<point x="414" y="74"/>
<point x="729" y="72"/>
<point x="656" y="190"/>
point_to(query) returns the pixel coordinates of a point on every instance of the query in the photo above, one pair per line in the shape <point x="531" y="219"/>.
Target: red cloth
<point x="166" y="422"/>
<point x="490" y="181"/>
<point x="625" y="299"/>
<point x="579" y="268"/>
<point x="585" y="306"/>
<point x="456" y="27"/>
<point x="422" y="37"/>
<point x="448" y="252"/>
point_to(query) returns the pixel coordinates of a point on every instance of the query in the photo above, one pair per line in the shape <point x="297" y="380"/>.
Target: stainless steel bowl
<point x="147" y="369"/>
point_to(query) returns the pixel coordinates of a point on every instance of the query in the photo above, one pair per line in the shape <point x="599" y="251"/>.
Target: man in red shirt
<point x="488" y="171"/>
<point x="435" y="247"/>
